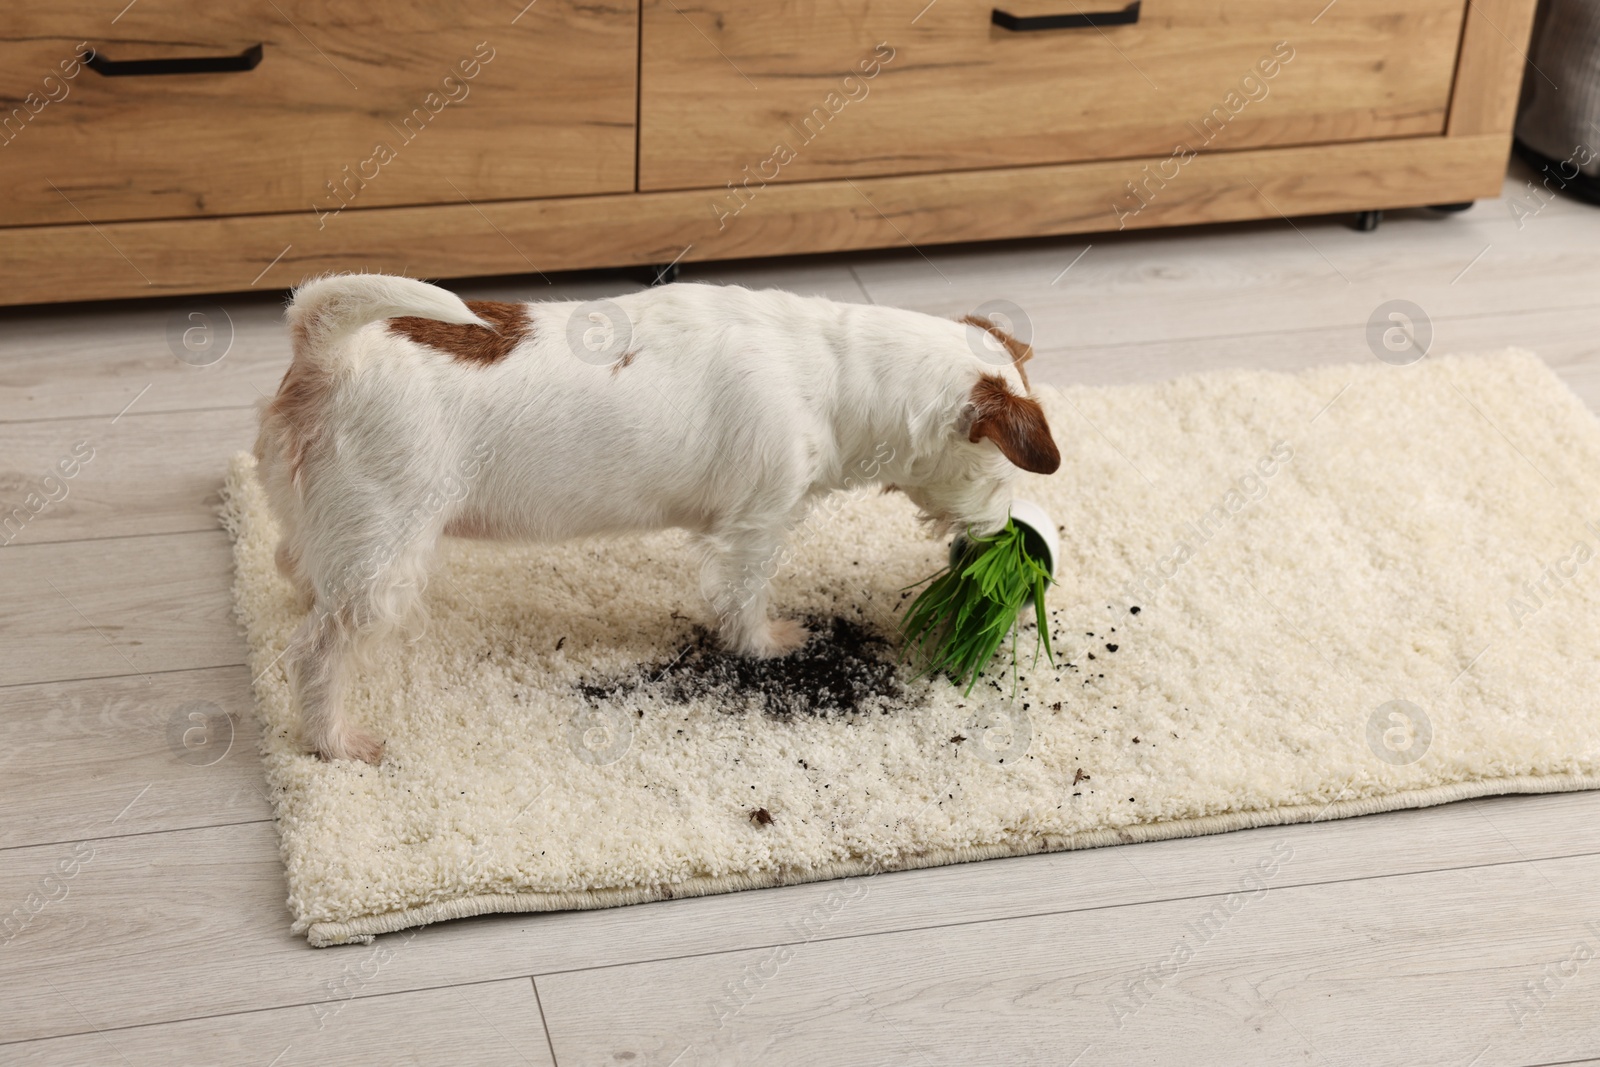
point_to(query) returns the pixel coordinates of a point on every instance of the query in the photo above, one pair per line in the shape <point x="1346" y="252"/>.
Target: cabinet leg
<point x="1367" y="221"/>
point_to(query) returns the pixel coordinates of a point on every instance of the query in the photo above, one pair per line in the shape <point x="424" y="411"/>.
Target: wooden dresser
<point x="169" y="146"/>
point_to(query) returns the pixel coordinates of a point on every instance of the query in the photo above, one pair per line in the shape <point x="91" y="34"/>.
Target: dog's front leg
<point x="737" y="579"/>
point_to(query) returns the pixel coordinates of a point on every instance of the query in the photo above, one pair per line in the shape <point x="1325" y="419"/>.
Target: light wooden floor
<point x="1467" y="934"/>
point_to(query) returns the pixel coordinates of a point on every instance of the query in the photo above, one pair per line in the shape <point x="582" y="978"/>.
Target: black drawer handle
<point x="129" y="68"/>
<point x="1021" y="24"/>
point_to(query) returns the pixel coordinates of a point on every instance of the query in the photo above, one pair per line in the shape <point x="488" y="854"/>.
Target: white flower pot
<point x="1038" y="531"/>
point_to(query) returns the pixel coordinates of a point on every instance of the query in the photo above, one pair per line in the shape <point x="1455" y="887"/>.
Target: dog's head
<point x="991" y="432"/>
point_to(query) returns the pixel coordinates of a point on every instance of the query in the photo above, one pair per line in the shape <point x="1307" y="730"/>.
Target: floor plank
<point x="94" y="362"/>
<point x="149" y="473"/>
<point x="96" y="609"/>
<point x="1253" y="278"/>
<point x="487" y="1025"/>
<point x="183" y="743"/>
<point x="125" y="904"/>
<point x="1415" y="969"/>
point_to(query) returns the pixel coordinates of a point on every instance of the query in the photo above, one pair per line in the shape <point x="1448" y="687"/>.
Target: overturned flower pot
<point x="964" y="613"/>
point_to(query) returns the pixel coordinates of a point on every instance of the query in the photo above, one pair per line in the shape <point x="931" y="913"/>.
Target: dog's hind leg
<point x="288" y="564"/>
<point x="318" y="655"/>
<point x="365" y="589"/>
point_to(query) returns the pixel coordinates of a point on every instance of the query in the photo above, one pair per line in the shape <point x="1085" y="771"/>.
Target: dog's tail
<point x="327" y="310"/>
<point x="322" y="315"/>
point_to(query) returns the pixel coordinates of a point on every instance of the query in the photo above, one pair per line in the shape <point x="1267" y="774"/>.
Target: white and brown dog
<point x="408" y="413"/>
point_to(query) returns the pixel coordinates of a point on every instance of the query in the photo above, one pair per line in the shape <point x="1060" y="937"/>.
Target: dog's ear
<point x="1014" y="423"/>
<point x="1020" y="353"/>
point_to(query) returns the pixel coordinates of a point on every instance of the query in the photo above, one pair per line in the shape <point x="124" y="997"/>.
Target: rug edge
<point x="363" y="930"/>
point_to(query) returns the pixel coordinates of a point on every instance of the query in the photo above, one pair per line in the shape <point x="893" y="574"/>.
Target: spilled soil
<point x="844" y="669"/>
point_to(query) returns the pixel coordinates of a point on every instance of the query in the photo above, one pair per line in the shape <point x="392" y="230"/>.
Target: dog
<point x="408" y="414"/>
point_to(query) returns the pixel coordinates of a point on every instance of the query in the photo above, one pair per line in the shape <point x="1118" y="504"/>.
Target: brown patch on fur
<point x="1020" y="353"/>
<point x="288" y="562"/>
<point x="625" y="361"/>
<point x="1015" y="424"/>
<point x="471" y="344"/>
<point x="292" y="416"/>
<point x="470" y="525"/>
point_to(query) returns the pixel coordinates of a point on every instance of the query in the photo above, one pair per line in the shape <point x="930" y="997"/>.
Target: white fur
<point x="738" y="411"/>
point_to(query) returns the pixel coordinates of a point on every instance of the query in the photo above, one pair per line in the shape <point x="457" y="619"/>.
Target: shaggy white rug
<point x="1282" y="598"/>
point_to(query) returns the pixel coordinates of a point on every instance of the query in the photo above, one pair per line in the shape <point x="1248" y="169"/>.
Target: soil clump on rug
<point x="844" y="669"/>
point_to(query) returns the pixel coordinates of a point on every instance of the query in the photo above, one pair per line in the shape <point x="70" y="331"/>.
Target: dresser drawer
<point x="343" y="105"/>
<point x="758" y="91"/>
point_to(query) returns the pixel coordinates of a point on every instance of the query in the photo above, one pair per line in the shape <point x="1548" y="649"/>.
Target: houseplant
<point x="958" y="621"/>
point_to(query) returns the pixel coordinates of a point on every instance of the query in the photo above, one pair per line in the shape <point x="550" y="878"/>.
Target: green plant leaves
<point x="958" y="622"/>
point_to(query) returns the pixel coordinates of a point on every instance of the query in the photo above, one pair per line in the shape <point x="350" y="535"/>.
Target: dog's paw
<point x="352" y="744"/>
<point x="783" y="636"/>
